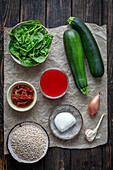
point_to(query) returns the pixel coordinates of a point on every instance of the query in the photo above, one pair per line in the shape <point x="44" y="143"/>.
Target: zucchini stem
<point x="85" y="90"/>
<point x="70" y="20"/>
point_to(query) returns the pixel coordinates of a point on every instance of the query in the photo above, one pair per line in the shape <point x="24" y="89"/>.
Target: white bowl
<point x="9" y="96"/>
<point x="16" y="59"/>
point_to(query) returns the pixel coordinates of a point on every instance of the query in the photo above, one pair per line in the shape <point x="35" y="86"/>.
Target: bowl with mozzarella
<point x="65" y="122"/>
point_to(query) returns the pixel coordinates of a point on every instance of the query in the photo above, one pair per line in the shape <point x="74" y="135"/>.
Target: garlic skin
<point x="90" y="135"/>
<point x="94" y="105"/>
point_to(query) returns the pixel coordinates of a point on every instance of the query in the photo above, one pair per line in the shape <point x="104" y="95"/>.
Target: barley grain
<point x="29" y="142"/>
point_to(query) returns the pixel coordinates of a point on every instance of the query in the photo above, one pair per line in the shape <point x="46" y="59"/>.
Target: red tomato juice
<point x="53" y="83"/>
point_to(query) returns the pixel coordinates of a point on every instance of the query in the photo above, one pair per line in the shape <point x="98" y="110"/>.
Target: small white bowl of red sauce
<point x="53" y="83"/>
<point x="21" y="96"/>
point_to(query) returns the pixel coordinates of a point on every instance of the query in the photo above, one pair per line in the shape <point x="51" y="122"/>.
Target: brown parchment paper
<point x="41" y="111"/>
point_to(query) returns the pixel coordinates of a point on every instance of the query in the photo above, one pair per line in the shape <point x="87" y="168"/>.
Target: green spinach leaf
<point x="39" y="59"/>
<point x="44" y="51"/>
<point x="13" y="50"/>
<point x="27" y="62"/>
<point x="36" y="37"/>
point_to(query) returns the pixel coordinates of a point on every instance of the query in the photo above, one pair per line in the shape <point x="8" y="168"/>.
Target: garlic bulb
<point x="90" y="134"/>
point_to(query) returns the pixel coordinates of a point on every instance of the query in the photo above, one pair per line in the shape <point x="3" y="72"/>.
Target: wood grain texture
<point x="58" y="11"/>
<point x="14" y="165"/>
<point x="9" y="12"/>
<point x="34" y="9"/>
<point x="86" y="159"/>
<point x="57" y="159"/>
<point x="88" y="10"/>
<point x="108" y="19"/>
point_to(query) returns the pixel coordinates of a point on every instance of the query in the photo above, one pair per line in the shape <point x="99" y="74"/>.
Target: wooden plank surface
<point x="51" y="14"/>
<point x="58" y="11"/>
<point x="57" y="159"/>
<point x="33" y="10"/>
<point x="88" y="10"/>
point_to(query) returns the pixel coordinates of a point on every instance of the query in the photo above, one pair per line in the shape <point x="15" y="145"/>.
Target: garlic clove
<point x="90" y="135"/>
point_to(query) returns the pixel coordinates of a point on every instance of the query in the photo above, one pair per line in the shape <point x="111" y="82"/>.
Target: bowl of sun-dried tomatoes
<point x="21" y="96"/>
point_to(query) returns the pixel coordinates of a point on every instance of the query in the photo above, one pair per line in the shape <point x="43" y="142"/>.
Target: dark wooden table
<point x="53" y="13"/>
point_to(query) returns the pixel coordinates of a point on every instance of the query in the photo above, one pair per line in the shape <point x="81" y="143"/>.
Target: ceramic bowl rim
<point x="20" y="124"/>
<point x="56" y="97"/>
<point x="51" y="115"/>
<point x="17" y="60"/>
<point x="17" y="108"/>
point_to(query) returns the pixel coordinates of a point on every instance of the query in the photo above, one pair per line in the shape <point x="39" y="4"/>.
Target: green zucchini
<point x="92" y="52"/>
<point x="74" y="52"/>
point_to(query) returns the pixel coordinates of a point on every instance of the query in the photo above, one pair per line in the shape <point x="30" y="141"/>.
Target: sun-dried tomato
<point x="22" y="95"/>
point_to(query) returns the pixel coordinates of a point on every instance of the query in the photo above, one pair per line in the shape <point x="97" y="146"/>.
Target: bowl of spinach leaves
<point x="29" y="43"/>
